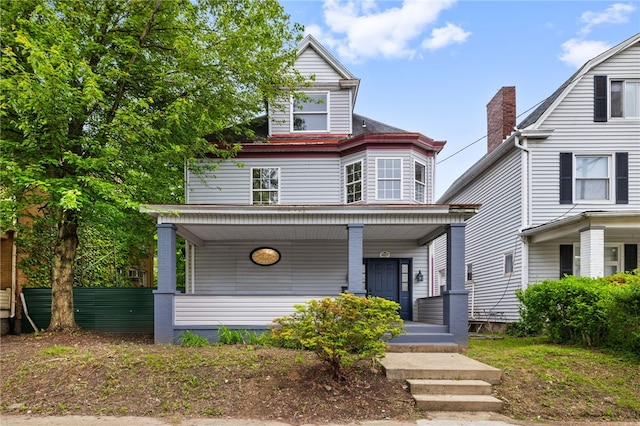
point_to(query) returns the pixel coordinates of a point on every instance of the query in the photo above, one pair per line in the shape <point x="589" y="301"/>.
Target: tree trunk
<point x="62" y="315"/>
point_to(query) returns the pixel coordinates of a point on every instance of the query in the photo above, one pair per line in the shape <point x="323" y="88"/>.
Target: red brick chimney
<point x="501" y="116"/>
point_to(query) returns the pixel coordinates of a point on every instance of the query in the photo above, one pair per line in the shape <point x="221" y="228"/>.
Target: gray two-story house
<point x="560" y="191"/>
<point x="325" y="201"/>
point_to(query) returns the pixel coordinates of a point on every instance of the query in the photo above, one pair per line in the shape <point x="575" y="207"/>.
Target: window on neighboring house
<point x="625" y="98"/>
<point x="265" y="185"/>
<point x="508" y="263"/>
<point x="594" y="178"/>
<point x="389" y="178"/>
<point x="616" y="257"/>
<point x="616" y="98"/>
<point x="469" y="271"/>
<point x="420" y="185"/>
<point x="311" y="114"/>
<point x="353" y="182"/>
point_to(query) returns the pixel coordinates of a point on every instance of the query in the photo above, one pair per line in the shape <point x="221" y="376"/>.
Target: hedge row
<point x="603" y="312"/>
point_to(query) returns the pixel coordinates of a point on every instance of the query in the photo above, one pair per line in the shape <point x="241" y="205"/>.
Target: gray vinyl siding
<point x="492" y="233"/>
<point x="310" y="63"/>
<point x="576" y="132"/>
<point x="307" y="268"/>
<point x="439" y="273"/>
<point x="302" y="181"/>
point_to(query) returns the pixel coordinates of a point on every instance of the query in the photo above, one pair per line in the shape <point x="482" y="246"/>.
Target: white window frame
<point x="295" y="111"/>
<point x="622" y="98"/>
<point x="610" y="199"/>
<point x="416" y="182"/>
<point x="506" y="264"/>
<point x="618" y="264"/>
<point x="378" y="179"/>
<point x="347" y="184"/>
<point x="254" y="190"/>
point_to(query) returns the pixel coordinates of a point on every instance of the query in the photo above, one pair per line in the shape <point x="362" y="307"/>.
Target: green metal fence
<point x="112" y="310"/>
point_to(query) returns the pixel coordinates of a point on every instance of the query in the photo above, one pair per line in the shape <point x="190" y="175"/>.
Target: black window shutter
<point x="622" y="178"/>
<point x="600" y="98"/>
<point x="566" y="260"/>
<point x="630" y="257"/>
<point x="566" y="178"/>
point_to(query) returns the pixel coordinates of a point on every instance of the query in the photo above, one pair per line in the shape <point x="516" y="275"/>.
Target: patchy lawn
<point x="109" y="374"/>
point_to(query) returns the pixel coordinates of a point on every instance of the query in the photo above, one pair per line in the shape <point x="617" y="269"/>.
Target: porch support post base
<point x="355" y="254"/>
<point x="164" y="295"/>
<point x="456" y="297"/>
<point x="163" y="317"/>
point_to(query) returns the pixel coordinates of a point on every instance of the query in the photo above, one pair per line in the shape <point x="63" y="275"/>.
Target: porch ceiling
<point x="301" y="232"/>
<point x="200" y="223"/>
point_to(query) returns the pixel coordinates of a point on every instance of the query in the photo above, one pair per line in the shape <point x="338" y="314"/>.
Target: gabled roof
<point x="534" y="120"/>
<point x="346" y="77"/>
<point x="310" y="41"/>
<point x="548" y="105"/>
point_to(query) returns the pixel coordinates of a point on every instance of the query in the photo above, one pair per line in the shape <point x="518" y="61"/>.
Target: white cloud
<point x="576" y="52"/>
<point x="442" y="37"/>
<point x="359" y="30"/>
<point x="616" y="14"/>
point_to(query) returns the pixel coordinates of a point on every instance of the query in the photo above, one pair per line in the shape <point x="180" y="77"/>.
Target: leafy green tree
<point x="102" y="102"/>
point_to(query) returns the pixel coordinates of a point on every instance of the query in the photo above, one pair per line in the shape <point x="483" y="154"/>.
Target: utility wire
<point x="483" y="137"/>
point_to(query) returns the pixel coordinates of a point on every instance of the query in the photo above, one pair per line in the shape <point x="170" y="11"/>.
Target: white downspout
<point x="525" y="219"/>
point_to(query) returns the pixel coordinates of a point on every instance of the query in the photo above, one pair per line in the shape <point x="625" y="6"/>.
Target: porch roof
<point x="199" y="223"/>
<point x="617" y="223"/>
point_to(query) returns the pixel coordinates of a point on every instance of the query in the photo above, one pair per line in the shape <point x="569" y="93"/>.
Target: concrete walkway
<point x="435" y="419"/>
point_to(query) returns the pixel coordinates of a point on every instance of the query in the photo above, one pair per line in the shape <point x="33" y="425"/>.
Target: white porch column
<point x="592" y="252"/>
<point x="355" y="254"/>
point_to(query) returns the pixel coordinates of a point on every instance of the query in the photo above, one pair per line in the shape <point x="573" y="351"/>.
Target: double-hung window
<point x="389" y="178"/>
<point x="353" y="182"/>
<point x="625" y="98"/>
<point x="615" y="98"/>
<point x="311" y="114"/>
<point x="420" y="182"/>
<point x="265" y="185"/>
<point x="593" y="178"/>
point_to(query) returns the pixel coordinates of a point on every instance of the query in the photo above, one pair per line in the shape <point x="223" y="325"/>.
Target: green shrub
<point x="588" y="311"/>
<point x="341" y="330"/>
<point x="190" y="339"/>
<point x="624" y="317"/>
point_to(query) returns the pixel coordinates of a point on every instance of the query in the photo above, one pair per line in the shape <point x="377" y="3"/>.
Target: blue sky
<point x="432" y="66"/>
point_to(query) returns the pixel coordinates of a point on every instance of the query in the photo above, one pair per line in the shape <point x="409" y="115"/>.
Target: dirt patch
<point x="127" y="375"/>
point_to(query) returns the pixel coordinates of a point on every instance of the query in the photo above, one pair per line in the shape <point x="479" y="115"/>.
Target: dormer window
<point x="311" y="114"/>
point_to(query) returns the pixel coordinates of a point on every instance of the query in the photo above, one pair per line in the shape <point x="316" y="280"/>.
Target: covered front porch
<point x="321" y="251"/>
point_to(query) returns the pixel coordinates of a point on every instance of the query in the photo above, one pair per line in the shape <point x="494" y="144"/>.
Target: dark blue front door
<point x="384" y="280"/>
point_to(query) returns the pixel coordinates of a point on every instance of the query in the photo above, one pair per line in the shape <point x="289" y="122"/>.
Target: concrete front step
<point x="457" y="403"/>
<point x="423" y="347"/>
<point x="440" y="366"/>
<point x="424" y="338"/>
<point x="448" y="387"/>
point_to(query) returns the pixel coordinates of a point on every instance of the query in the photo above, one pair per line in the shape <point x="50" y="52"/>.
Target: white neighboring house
<point x="327" y="201"/>
<point x="560" y="192"/>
